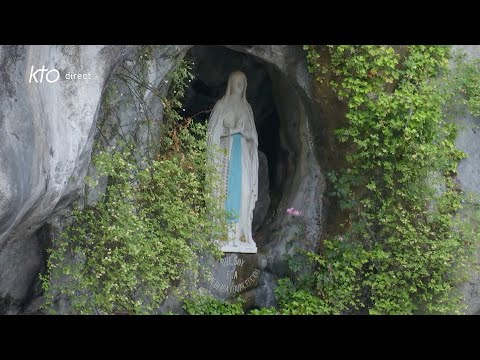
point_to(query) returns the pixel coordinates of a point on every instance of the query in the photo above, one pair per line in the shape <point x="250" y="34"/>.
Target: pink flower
<point x="294" y="212"/>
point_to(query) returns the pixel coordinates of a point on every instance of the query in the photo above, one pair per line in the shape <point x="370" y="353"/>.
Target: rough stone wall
<point x="468" y="140"/>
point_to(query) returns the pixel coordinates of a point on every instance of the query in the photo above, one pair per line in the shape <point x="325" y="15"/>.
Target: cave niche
<point x="211" y="66"/>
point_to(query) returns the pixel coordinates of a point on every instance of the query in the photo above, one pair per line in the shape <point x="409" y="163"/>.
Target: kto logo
<point x="51" y="76"/>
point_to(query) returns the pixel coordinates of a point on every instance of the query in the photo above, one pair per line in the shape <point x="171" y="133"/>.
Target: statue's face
<point x="238" y="85"/>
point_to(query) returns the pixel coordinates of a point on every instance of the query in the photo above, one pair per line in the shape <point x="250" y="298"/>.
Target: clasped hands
<point x="244" y="133"/>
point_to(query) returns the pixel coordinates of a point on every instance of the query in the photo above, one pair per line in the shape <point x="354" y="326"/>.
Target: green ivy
<point x="264" y="311"/>
<point x="148" y="234"/>
<point x="462" y="86"/>
<point x="404" y="247"/>
<point x="208" y="305"/>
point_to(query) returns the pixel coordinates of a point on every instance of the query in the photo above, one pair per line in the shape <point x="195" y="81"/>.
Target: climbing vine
<point x="149" y="232"/>
<point x="405" y="245"/>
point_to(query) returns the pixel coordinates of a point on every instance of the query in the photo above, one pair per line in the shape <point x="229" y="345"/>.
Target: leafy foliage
<point x="404" y="247"/>
<point x="208" y="305"/>
<point x="151" y="229"/>
<point x="465" y="80"/>
<point x="264" y="311"/>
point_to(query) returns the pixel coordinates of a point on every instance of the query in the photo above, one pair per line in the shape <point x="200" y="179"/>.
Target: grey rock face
<point x="468" y="140"/>
<point x="263" y="201"/>
<point x="265" y="292"/>
<point x="304" y="183"/>
<point x="46" y="135"/>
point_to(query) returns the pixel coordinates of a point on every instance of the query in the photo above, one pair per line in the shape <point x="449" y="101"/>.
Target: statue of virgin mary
<point x="231" y="128"/>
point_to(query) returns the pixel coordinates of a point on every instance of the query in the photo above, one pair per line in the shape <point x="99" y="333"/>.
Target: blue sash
<point x="234" y="187"/>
